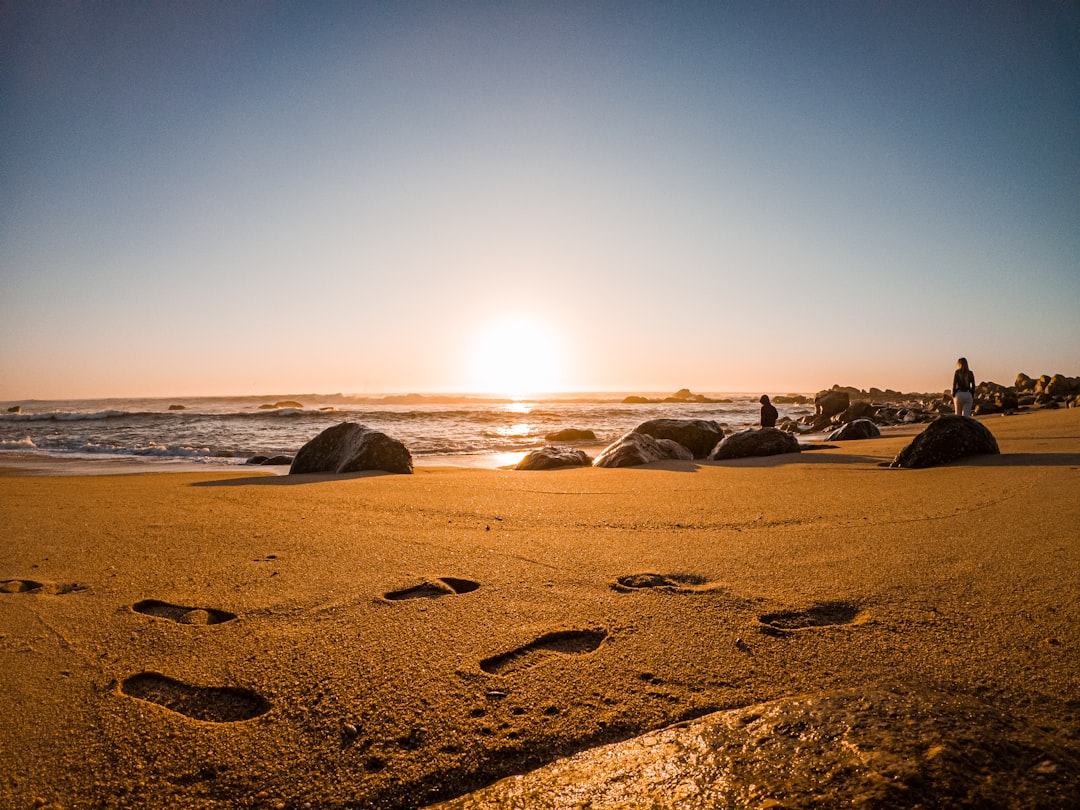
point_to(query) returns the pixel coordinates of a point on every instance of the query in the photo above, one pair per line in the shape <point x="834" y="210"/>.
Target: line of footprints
<point x="225" y="704"/>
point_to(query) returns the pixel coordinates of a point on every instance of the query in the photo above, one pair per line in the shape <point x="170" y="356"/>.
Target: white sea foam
<point x="18" y="444"/>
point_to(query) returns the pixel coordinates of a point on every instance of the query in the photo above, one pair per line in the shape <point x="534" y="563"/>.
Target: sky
<point x="202" y="198"/>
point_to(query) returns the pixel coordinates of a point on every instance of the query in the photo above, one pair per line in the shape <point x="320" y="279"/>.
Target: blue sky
<point x="208" y="198"/>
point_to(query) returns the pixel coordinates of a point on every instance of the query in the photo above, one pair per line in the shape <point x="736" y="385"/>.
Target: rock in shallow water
<point x="880" y="748"/>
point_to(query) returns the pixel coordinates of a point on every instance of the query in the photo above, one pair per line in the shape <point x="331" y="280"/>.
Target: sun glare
<point x="515" y="356"/>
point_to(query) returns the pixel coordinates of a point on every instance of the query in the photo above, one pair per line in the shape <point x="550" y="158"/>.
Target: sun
<point x="516" y="355"/>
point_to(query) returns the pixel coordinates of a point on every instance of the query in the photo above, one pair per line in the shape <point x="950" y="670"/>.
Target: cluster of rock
<point x="837" y="407"/>
<point x="668" y="440"/>
<point x="285" y="403"/>
<point x="682" y="396"/>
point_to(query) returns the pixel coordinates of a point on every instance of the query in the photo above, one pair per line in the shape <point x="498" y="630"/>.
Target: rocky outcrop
<point x="947" y="439"/>
<point x="349" y="447"/>
<point x="682" y="395"/>
<point x="863" y="747"/>
<point x="285" y="403"/>
<point x="553" y="457"/>
<point x="828" y="404"/>
<point x="763" y="442"/>
<point x="571" y="435"/>
<point x="699" y="436"/>
<point x="177" y="407"/>
<point x="858" y="429"/>
<point x="633" y="449"/>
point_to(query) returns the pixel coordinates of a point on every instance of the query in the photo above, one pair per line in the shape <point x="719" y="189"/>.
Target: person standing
<point x="768" y="412"/>
<point x="963" y="388"/>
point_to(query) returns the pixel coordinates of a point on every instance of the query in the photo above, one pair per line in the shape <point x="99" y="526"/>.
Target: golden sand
<point x="213" y="639"/>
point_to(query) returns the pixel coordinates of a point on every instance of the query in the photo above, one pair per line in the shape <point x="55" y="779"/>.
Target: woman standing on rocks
<point x="963" y="388"/>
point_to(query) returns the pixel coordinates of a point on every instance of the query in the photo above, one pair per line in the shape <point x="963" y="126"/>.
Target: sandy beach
<point x="242" y="639"/>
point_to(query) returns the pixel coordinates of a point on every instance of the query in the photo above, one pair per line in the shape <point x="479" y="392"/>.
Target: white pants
<point x="962" y="402"/>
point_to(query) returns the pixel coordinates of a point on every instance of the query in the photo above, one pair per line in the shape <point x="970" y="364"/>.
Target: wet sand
<point x="245" y="639"/>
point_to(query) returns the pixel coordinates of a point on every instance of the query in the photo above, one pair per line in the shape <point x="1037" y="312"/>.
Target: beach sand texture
<point x="212" y="639"/>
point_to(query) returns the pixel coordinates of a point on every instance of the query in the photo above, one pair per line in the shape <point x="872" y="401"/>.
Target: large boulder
<point x="858" y="429"/>
<point x="551" y="457"/>
<point x="633" y="449"/>
<point x="947" y="439"/>
<point x="349" y="447"/>
<point x="873" y="747"/>
<point x="699" y="436"/>
<point x="829" y="403"/>
<point x="763" y="442"/>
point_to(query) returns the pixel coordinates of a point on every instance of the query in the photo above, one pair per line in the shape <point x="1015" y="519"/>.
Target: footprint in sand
<point x="181" y="614"/>
<point x="692" y="583"/>
<point x="823" y="614"/>
<point x="213" y="704"/>
<point x="443" y="586"/>
<point x="30" y="586"/>
<point x="563" y="642"/>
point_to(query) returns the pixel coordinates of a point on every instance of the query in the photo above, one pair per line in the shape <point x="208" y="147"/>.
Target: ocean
<point x="470" y="431"/>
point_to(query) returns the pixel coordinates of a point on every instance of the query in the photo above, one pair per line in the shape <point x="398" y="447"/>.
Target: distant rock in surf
<point x="747" y="443"/>
<point x="177" y="407"/>
<point x="633" y="449"/>
<point x="349" y="447"/>
<point x="552" y="457"/>
<point x="947" y="439"/>
<point x="285" y="403"/>
<point x="571" y="435"/>
<point x="699" y="436"/>
<point x="15" y="409"/>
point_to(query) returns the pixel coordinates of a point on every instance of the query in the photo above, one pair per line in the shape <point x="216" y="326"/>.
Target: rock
<point x="551" y="457"/>
<point x="946" y="439"/>
<point x="639" y="448"/>
<point x="859" y="409"/>
<point x="859" y="429"/>
<point x="349" y="447"/>
<point x="256" y="460"/>
<point x="636" y="400"/>
<point x="15" y="409"/>
<point x="571" y="435"/>
<point x="763" y="442"/>
<point x="177" y="408"/>
<point x="830" y="403"/>
<point x="790" y="399"/>
<point x="285" y="403"/>
<point x="278" y="461"/>
<point x="699" y="436"/>
<point x="875" y="747"/>
<point x="1024" y="383"/>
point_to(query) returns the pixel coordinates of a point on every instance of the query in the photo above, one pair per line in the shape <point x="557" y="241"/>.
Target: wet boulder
<point x="348" y="447"/>
<point x="947" y="439"/>
<point x="699" y="436"/>
<point x="633" y="449"/>
<point x="552" y="457"/>
<point x="571" y="435"/>
<point x="858" y="429"/>
<point x="755" y="442"/>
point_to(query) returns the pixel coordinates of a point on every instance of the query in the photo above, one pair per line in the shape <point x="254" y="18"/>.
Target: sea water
<point x="229" y="430"/>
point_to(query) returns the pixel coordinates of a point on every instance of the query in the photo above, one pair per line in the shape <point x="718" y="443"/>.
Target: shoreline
<point x="232" y="638"/>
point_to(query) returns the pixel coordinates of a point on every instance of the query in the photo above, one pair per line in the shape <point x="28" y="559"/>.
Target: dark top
<point x="768" y="415"/>
<point x="963" y="381"/>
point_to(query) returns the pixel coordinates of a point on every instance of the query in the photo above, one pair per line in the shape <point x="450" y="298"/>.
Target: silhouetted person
<point x="768" y="412"/>
<point x="963" y="388"/>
